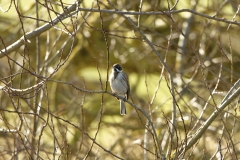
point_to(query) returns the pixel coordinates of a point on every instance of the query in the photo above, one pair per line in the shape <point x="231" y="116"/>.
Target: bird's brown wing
<point x="128" y="91"/>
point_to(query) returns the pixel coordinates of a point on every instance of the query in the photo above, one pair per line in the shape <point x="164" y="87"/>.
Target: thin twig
<point x="72" y="11"/>
<point x="208" y="122"/>
<point x="37" y="31"/>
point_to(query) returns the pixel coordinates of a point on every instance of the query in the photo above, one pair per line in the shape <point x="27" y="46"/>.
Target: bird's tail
<point x="122" y="108"/>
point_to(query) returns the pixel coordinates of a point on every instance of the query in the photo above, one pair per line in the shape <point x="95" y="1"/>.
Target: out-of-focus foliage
<point x="57" y="120"/>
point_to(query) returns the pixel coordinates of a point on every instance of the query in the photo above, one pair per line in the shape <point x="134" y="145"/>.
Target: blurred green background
<point x="204" y="65"/>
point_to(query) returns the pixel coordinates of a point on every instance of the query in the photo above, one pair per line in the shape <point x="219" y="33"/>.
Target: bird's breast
<point x="118" y="85"/>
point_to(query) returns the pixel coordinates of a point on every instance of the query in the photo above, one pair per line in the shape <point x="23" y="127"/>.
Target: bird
<point x="120" y="85"/>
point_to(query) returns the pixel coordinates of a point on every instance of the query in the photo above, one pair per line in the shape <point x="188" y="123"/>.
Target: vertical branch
<point x="44" y="89"/>
<point x="145" y="140"/>
<point x="174" y="111"/>
<point x="182" y="47"/>
<point x="82" y="119"/>
<point x="106" y="84"/>
<point x="230" y="43"/>
<point x="38" y="51"/>
<point x="16" y="5"/>
<point x="36" y="104"/>
<point x="140" y="10"/>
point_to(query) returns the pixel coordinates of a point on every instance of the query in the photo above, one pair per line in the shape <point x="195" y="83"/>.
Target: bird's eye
<point x="117" y="69"/>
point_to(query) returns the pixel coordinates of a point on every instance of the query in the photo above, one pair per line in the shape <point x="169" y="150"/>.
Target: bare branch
<point x="208" y="122"/>
<point x="37" y="31"/>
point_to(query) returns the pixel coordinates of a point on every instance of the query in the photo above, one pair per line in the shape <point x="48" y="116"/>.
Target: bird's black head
<point x="117" y="68"/>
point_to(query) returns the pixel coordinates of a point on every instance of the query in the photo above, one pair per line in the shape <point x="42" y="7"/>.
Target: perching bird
<point x="120" y="85"/>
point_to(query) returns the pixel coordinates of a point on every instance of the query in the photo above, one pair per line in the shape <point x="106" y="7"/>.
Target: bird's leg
<point x="124" y="98"/>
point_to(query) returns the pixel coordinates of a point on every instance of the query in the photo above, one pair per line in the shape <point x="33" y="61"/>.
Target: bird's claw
<point x="114" y="93"/>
